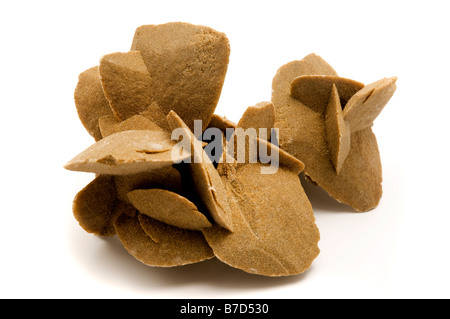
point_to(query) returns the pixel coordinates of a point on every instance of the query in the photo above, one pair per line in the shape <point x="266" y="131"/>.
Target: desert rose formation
<point x="179" y="184"/>
<point x="326" y="122"/>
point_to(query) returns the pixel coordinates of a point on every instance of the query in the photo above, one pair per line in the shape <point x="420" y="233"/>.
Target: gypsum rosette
<point x="326" y="122"/>
<point x="171" y="211"/>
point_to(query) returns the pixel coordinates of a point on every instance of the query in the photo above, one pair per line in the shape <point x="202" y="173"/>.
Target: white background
<point x="398" y="250"/>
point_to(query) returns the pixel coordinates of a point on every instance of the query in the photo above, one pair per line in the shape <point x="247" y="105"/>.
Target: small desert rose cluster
<point x="170" y="207"/>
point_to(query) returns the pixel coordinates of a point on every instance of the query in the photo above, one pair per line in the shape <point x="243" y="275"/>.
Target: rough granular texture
<point x="90" y="101"/>
<point x="110" y="124"/>
<point x="166" y="246"/>
<point x="168" y="207"/>
<point x="206" y="180"/>
<point x="127" y="152"/>
<point x="171" y="201"/>
<point x="126" y="83"/>
<point x="303" y="133"/>
<point x="260" y="117"/>
<point x="314" y="90"/>
<point x="337" y="131"/>
<point x="157" y="116"/>
<point x="94" y="206"/>
<point x="174" y="66"/>
<point x="221" y="122"/>
<point x="271" y="215"/>
<point x="188" y="65"/>
<point x="362" y="109"/>
<point x="167" y="178"/>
